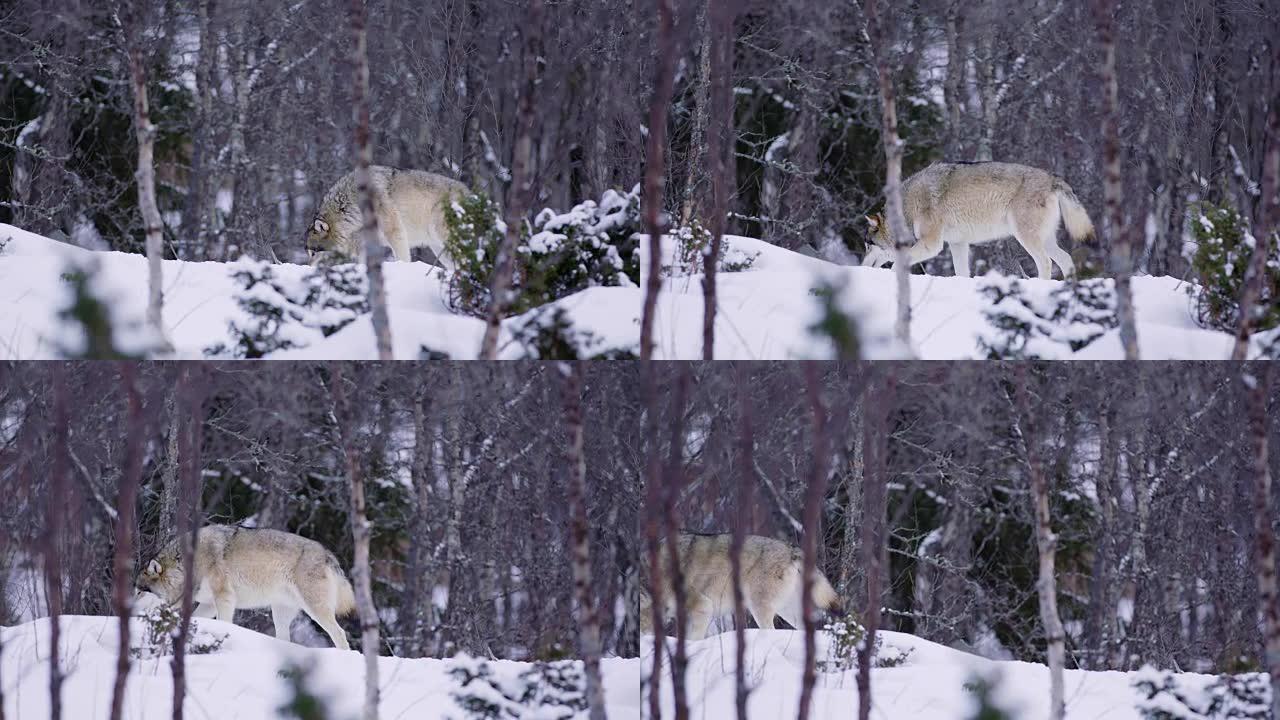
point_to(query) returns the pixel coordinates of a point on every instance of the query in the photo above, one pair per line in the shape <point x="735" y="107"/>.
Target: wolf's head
<point x="878" y="232"/>
<point x="163" y="576"/>
<point x="324" y="238"/>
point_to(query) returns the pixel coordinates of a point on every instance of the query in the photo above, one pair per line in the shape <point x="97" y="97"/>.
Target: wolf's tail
<point x="824" y="596"/>
<point x="1079" y="226"/>
<point x="345" y="603"/>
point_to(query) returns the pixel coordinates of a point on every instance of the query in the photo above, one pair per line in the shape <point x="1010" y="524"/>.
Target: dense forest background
<point x="1151" y="496"/>
<point x="252" y="103"/>
<point x="465" y="468"/>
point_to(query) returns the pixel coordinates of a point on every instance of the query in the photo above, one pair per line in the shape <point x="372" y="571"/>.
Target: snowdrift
<point x="765" y="311"/>
<point x="241" y="679"/>
<point x="928" y="685"/>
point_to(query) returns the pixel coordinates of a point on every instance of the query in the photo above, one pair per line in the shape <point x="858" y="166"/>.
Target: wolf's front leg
<point x="960" y="258"/>
<point x="204" y="610"/>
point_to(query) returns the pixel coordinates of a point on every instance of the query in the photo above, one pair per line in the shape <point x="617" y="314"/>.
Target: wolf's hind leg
<point x="317" y="604"/>
<point x="282" y="616"/>
<point x="1062" y="258"/>
<point x="1033" y="240"/>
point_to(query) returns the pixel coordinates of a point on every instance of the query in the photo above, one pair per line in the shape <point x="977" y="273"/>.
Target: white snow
<point x="241" y="678"/>
<point x="928" y="685"/>
<point x="764" y="312"/>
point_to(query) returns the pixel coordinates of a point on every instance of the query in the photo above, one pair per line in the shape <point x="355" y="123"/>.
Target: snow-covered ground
<point x="930" y="684"/>
<point x="241" y="679"/>
<point x="765" y="312"/>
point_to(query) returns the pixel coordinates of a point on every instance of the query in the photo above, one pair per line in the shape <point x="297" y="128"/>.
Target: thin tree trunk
<point x="190" y="391"/>
<point x="742" y="500"/>
<point x="1268" y="218"/>
<point x="589" y="633"/>
<point x="672" y="485"/>
<point x="360" y="531"/>
<point x="521" y="195"/>
<point x="54" y="508"/>
<point x="876" y="409"/>
<point x="663" y="83"/>
<point x="903" y="238"/>
<point x="145" y="175"/>
<point x="193" y="221"/>
<point x="952" y="92"/>
<point x="126" y="504"/>
<point x="1120" y="251"/>
<point x="369" y="231"/>
<point x="719" y="147"/>
<point x="1258" y="382"/>
<point x="813" y="497"/>
<point x="1046" y="544"/>
<point x="653" y="533"/>
<point x="414" y="608"/>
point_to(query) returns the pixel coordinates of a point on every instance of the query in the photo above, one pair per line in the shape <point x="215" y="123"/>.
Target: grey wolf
<point x="772" y="574"/>
<point x="410" y="209"/>
<point x="966" y="203"/>
<point x="252" y="568"/>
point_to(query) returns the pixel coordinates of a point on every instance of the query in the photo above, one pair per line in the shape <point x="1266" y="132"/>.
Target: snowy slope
<point x="765" y="311"/>
<point x="929" y="685"/>
<point x="239" y="680"/>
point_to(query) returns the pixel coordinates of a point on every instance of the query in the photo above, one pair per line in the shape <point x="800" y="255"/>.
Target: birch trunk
<point x="1120" y="251"/>
<point x="1268" y="222"/>
<point x="521" y="195"/>
<point x="699" y="142"/>
<point x="169" y="476"/>
<point x="360" y="537"/>
<point x="655" y="151"/>
<point x="122" y="562"/>
<point x="813" y="497"/>
<point x="1257" y="378"/>
<point x="589" y="622"/>
<point x="952" y="87"/>
<point x="903" y="238"/>
<point x="1046" y="544"/>
<point x="369" y="231"/>
<point x="145" y="175"/>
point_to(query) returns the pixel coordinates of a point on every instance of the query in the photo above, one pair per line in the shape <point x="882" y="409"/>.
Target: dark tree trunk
<point x="672" y="485"/>
<point x="522" y="176"/>
<point x="190" y="391"/>
<point x="813" y="497"/>
<point x="719" y="149"/>
<point x="742" y="508"/>
<point x="122" y="565"/>
<point x="877" y="407"/>
<point x="655" y="167"/>
<point x="54" y="508"/>
<point x="369" y="231"/>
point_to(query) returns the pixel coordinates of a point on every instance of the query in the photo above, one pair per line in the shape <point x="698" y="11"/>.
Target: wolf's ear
<point x="321" y="226"/>
<point x="873" y="221"/>
<point x="153" y="567"/>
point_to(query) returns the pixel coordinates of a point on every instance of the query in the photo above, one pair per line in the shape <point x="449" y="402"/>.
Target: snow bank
<point x="765" y="311"/>
<point x="241" y="679"/>
<point x="929" y="685"/>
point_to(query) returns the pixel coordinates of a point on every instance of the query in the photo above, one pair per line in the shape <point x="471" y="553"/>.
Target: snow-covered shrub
<point x="93" y="325"/>
<point x="302" y="702"/>
<point x="558" y="254"/>
<point x="1026" y="323"/>
<point x="160" y="628"/>
<point x="545" y="691"/>
<point x="280" y="313"/>
<point x="693" y="242"/>
<point x="1162" y="695"/>
<point x="1223" y="251"/>
<point x="475" y="234"/>
<point x="845" y="638"/>
<point x="834" y="324"/>
<point x="549" y="334"/>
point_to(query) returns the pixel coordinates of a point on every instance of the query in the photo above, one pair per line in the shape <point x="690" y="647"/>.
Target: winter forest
<point x="680" y="179"/>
